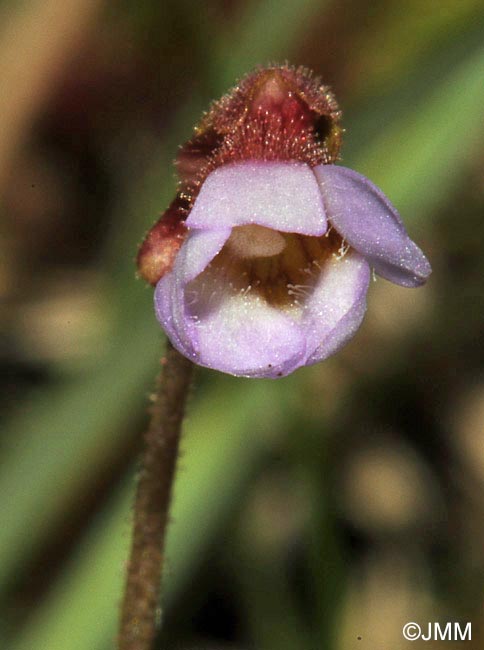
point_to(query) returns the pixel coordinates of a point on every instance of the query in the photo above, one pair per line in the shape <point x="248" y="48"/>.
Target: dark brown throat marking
<point x="284" y="280"/>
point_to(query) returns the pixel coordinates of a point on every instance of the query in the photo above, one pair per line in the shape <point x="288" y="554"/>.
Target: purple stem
<point x="158" y="463"/>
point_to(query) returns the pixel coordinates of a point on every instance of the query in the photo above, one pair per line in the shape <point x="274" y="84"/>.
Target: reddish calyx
<point x="275" y="113"/>
<point x="157" y="253"/>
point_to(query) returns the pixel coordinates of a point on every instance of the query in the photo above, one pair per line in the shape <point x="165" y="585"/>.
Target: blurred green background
<point x="320" y="511"/>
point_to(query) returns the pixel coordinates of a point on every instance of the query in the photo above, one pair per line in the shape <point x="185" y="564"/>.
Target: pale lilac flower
<point x="274" y="271"/>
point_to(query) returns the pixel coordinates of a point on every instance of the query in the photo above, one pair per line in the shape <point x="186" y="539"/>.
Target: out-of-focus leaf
<point x="219" y="451"/>
<point x="65" y="436"/>
<point x="267" y="32"/>
<point x="404" y="34"/>
<point x="420" y="158"/>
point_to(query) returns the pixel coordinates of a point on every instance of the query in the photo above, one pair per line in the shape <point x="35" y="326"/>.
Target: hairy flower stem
<point x="158" y="463"/>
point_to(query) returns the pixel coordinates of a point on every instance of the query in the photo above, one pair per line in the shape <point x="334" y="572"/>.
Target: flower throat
<point x="277" y="267"/>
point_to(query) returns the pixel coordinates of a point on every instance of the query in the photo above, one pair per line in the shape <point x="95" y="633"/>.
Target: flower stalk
<point x="151" y="509"/>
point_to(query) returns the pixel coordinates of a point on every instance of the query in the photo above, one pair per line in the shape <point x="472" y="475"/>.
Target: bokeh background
<point x="320" y="511"/>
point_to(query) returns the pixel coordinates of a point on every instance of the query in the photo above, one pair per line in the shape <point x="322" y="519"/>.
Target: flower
<point x="262" y="261"/>
<point x="274" y="271"/>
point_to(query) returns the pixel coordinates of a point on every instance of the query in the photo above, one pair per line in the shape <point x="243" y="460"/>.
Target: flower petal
<point x="337" y="306"/>
<point x="195" y="254"/>
<point x="364" y="216"/>
<point x="235" y="333"/>
<point x="280" y="195"/>
<point x="246" y="337"/>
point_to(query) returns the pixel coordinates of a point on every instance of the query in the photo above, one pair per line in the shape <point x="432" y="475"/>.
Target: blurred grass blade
<point x="419" y="159"/>
<point x="220" y="448"/>
<point x="73" y="432"/>
<point x="267" y="32"/>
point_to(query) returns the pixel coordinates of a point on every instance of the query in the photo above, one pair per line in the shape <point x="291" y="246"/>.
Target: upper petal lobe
<point x="364" y="216"/>
<point x="280" y="195"/>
